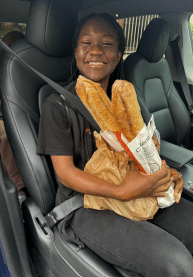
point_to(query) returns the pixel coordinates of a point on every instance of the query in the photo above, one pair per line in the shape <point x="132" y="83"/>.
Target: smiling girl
<point x="142" y="247"/>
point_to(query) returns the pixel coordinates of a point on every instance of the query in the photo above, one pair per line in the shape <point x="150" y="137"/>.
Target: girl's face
<point x="97" y="51"/>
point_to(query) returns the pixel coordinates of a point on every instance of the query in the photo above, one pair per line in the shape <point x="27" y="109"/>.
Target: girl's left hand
<point x="178" y="183"/>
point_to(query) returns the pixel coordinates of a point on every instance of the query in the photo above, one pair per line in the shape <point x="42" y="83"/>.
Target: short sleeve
<point x="55" y="137"/>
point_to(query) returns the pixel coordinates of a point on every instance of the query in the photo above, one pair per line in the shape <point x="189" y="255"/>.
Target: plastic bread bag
<point x="145" y="154"/>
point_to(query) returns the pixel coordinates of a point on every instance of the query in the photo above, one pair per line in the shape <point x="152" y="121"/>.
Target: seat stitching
<point x="14" y="88"/>
<point x="43" y="160"/>
<point x="46" y="25"/>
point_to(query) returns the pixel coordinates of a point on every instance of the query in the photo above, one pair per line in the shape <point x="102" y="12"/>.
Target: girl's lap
<point x="177" y="220"/>
<point x="141" y="246"/>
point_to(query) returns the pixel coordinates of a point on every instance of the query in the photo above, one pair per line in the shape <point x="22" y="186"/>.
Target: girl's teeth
<point x="95" y="63"/>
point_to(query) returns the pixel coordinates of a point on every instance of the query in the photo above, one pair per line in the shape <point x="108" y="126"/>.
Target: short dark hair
<point x="118" y="72"/>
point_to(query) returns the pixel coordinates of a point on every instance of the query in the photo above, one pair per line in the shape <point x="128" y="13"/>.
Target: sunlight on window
<point x="191" y="23"/>
<point x="133" y="28"/>
<point x="6" y="27"/>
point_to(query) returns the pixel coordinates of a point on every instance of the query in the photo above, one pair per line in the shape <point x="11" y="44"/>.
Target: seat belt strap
<point x="64" y="209"/>
<point x="181" y="73"/>
<point x="73" y="100"/>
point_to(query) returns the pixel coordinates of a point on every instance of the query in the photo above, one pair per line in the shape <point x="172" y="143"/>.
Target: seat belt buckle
<point x="50" y="219"/>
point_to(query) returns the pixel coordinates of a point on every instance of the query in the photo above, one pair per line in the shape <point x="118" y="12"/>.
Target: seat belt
<point x="62" y="210"/>
<point x="181" y="73"/>
<point x="72" y="204"/>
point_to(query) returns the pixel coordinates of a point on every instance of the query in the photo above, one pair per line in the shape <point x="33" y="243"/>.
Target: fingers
<point x="164" y="183"/>
<point x="178" y="190"/>
<point x="162" y="173"/>
<point x="177" y="176"/>
<point x="159" y="194"/>
<point x="161" y="191"/>
<point x="179" y="184"/>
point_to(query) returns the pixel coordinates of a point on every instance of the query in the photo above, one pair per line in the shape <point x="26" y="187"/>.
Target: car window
<point x="6" y="27"/>
<point x="191" y="23"/>
<point x="133" y="28"/>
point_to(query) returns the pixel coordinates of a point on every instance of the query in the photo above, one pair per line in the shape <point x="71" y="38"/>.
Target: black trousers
<point x="161" y="247"/>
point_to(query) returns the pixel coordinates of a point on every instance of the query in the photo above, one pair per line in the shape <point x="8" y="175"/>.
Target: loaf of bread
<point x="126" y="109"/>
<point x="97" y="102"/>
<point x="121" y="115"/>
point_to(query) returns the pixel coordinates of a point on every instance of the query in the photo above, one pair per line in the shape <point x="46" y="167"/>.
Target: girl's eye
<point x="85" y="42"/>
<point x="107" y="43"/>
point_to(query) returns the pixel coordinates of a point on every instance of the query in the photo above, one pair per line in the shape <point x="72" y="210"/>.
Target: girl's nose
<point x="96" y="49"/>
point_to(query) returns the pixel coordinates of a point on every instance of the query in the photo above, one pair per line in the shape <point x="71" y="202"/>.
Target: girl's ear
<point x="75" y="52"/>
<point x="119" y="56"/>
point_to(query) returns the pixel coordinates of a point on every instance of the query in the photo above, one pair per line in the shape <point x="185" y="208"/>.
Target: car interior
<point x="31" y="247"/>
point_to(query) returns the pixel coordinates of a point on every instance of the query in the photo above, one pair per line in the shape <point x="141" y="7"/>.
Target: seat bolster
<point x="180" y="115"/>
<point x="144" y="110"/>
<point x="129" y="69"/>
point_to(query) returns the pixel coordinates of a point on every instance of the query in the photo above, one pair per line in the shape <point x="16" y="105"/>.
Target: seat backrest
<point x="47" y="48"/>
<point x="149" y="72"/>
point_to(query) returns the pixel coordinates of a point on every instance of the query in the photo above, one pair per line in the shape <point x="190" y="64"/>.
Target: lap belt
<point x="62" y="210"/>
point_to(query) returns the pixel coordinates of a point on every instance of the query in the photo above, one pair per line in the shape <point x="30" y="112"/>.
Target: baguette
<point x="121" y="115"/>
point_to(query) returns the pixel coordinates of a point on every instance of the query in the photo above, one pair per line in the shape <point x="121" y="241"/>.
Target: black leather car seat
<point x="47" y="48"/>
<point x="149" y="72"/>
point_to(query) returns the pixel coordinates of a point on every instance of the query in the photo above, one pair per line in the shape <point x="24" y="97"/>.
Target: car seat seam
<point x="15" y="90"/>
<point x="169" y="92"/>
<point x="46" y="25"/>
<point x="144" y="104"/>
<point x="161" y="110"/>
<point x="43" y="160"/>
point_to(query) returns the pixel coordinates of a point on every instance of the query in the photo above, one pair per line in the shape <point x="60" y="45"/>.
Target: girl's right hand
<point x="140" y="185"/>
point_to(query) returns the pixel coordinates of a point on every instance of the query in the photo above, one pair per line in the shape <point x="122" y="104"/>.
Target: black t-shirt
<point x="55" y="137"/>
<point x="65" y="132"/>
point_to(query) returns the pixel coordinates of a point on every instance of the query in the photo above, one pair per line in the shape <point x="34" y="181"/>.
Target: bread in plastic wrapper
<point x="120" y="121"/>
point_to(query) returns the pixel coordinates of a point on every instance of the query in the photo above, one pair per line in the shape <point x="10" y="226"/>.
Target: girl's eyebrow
<point x="87" y="35"/>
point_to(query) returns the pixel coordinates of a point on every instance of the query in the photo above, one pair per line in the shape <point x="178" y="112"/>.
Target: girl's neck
<point x="108" y="92"/>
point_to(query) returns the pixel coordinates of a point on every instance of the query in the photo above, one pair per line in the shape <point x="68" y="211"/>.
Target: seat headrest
<point x="154" y="40"/>
<point x="51" y="25"/>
